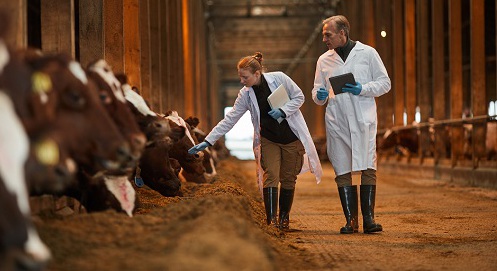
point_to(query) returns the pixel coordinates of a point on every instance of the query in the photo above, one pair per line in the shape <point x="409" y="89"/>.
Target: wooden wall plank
<point x="156" y="55"/>
<point x="145" y="53"/>
<point x="131" y="13"/>
<point x="398" y="62"/>
<point x="410" y="58"/>
<point x="479" y="102"/>
<point x="114" y="34"/>
<point x="57" y="26"/>
<point x="91" y="44"/>
<point x="187" y="58"/>
<point x="17" y="35"/>
<point x="455" y="74"/>
<point x="438" y="89"/>
<point x="424" y="91"/>
<point x="383" y="15"/>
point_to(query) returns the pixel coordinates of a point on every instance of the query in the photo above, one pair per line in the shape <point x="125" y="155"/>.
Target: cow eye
<point x="104" y="97"/>
<point x="74" y="99"/>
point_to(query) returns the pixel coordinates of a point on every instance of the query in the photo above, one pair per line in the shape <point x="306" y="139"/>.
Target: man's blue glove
<point x="322" y="94"/>
<point x="276" y="113"/>
<point x="199" y="147"/>
<point x="354" y="89"/>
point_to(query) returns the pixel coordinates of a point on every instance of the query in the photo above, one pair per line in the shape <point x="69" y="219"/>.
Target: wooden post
<point x="57" y="26"/>
<point x="410" y="58"/>
<point x="479" y="102"/>
<point x="423" y="75"/>
<point x="156" y="55"/>
<point x="398" y="62"/>
<point x="114" y="34"/>
<point x="17" y="34"/>
<point x="383" y="15"/>
<point x="187" y="58"/>
<point x="455" y="69"/>
<point x="131" y="11"/>
<point x="145" y="53"/>
<point x="438" y="54"/>
<point x="91" y="43"/>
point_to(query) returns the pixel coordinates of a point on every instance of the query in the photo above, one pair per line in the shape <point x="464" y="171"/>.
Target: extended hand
<point x="276" y="113"/>
<point x="322" y="94"/>
<point x="198" y="147"/>
<point x="354" y="89"/>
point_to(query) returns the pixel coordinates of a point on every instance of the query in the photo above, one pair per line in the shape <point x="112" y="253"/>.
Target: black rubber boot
<point x="286" y="200"/>
<point x="368" y="194"/>
<point x="348" y="198"/>
<point x="271" y="204"/>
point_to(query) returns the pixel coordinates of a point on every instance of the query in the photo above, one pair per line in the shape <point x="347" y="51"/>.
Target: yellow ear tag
<point x="47" y="152"/>
<point x="41" y="83"/>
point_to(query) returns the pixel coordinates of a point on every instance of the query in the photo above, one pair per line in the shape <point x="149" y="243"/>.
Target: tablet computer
<point x="339" y="81"/>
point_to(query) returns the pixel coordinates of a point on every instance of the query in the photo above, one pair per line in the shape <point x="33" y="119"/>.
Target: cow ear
<point x="177" y="132"/>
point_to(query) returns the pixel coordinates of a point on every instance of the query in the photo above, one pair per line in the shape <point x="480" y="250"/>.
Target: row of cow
<point x="407" y="142"/>
<point x="83" y="133"/>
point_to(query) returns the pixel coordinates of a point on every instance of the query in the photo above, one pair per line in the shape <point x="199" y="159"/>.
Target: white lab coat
<point x="247" y="100"/>
<point x="351" y="121"/>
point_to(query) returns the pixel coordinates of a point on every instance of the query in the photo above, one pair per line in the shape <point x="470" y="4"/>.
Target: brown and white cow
<point x="20" y="243"/>
<point x="155" y="167"/>
<point x="209" y="161"/>
<point x="192" y="168"/>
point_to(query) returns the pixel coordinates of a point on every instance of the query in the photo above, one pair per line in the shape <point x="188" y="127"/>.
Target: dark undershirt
<point x="344" y="51"/>
<point x="270" y="128"/>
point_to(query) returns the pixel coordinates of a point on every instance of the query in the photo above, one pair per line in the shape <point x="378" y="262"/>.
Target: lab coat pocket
<point x="361" y="73"/>
<point x="368" y="110"/>
<point x="331" y="117"/>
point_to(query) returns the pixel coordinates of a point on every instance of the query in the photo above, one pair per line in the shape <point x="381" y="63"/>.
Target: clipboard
<point x="339" y="81"/>
<point x="278" y="98"/>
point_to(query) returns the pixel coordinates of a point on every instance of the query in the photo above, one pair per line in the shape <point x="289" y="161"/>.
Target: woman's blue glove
<point x="199" y="147"/>
<point x="322" y="94"/>
<point x="276" y="113"/>
<point x="354" y="89"/>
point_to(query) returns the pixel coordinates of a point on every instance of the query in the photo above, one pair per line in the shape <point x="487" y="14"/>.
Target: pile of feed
<point x="214" y="226"/>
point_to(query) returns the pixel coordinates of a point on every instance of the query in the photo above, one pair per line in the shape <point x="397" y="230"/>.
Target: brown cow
<point x="155" y="166"/>
<point x="209" y="161"/>
<point x="191" y="164"/>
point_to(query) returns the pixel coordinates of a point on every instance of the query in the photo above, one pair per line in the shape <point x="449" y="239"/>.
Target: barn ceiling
<point x="280" y="29"/>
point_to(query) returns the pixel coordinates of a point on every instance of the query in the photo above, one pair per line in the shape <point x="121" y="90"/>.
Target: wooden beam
<point x="91" y="29"/>
<point x="455" y="74"/>
<point x="479" y="102"/>
<point x="398" y="62"/>
<point x="145" y="52"/>
<point x="424" y="91"/>
<point x="114" y="34"/>
<point x="438" y="83"/>
<point x="156" y="55"/>
<point x="57" y="26"/>
<point x="132" y="42"/>
<point x="17" y="35"/>
<point x="410" y="58"/>
<point x="187" y="58"/>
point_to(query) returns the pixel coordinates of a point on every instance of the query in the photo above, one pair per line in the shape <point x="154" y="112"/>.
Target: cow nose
<point x="24" y="261"/>
<point x="123" y="153"/>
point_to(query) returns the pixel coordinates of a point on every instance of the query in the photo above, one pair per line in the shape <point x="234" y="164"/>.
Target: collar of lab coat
<point x="358" y="47"/>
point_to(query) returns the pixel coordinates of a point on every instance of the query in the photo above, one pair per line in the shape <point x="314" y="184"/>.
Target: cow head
<point x="192" y="164"/>
<point x="112" y="97"/>
<point x="92" y="137"/>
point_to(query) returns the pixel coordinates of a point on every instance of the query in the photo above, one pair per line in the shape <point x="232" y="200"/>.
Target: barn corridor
<point x="427" y="225"/>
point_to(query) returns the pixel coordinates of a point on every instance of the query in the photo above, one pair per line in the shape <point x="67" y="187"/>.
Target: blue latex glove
<point x="276" y="113"/>
<point x="199" y="147"/>
<point x="354" y="89"/>
<point x="322" y="94"/>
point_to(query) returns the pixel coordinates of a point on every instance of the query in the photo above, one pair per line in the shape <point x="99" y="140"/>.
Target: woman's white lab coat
<point x="351" y="121"/>
<point x="247" y="100"/>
